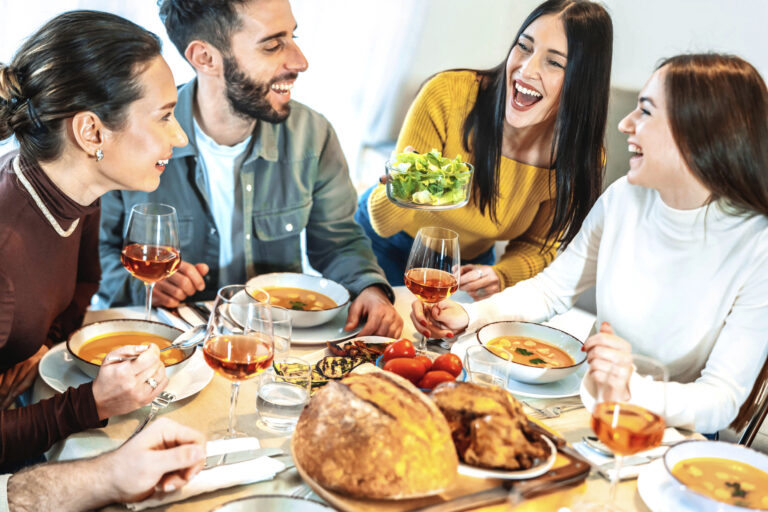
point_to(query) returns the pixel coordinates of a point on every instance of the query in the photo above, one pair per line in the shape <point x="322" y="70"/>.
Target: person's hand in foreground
<point x="381" y="318"/>
<point x="185" y="282"/>
<point x="610" y="364"/>
<point x="162" y="458"/>
<point x="122" y="387"/>
<point x="445" y="319"/>
<point x="479" y="281"/>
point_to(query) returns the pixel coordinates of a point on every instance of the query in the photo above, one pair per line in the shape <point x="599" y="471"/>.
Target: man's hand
<point x="479" y="281"/>
<point x="381" y="317"/>
<point x="164" y="457"/>
<point x="610" y="364"/>
<point x="19" y="378"/>
<point x="123" y="387"/>
<point x="185" y="282"/>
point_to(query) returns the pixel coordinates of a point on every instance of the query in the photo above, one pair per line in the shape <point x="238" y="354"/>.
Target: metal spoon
<point x="184" y="340"/>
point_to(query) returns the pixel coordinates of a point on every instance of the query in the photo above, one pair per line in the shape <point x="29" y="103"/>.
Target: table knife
<point x="241" y="456"/>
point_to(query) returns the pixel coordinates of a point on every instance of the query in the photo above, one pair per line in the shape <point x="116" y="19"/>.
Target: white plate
<point x="538" y="470"/>
<point x="332" y="330"/>
<point x="569" y="386"/>
<point x="58" y="370"/>
<point x="660" y="492"/>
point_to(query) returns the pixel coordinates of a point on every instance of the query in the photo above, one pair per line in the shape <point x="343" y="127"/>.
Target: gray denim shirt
<point x="293" y="176"/>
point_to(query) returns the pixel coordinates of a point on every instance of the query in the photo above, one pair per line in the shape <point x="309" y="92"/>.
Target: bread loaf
<point x="375" y="436"/>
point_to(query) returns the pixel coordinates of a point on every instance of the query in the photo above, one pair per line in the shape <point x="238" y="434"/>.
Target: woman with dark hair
<point x="90" y="101"/>
<point x="533" y="128"/>
<point x="678" y="250"/>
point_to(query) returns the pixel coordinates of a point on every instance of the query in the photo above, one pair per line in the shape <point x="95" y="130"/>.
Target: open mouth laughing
<point x="282" y="88"/>
<point x="160" y="164"/>
<point x="525" y="95"/>
<point x="637" y="151"/>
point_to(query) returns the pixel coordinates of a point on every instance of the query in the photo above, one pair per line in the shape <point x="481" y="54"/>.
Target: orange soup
<point x="725" y="480"/>
<point x="96" y="349"/>
<point x="530" y="352"/>
<point x="298" y="298"/>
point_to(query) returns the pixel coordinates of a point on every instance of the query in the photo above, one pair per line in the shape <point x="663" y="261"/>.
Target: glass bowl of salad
<point x="428" y="181"/>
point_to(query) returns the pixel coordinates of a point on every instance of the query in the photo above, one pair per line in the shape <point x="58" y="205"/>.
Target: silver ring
<point x="481" y="292"/>
<point x="152" y="383"/>
<point x="480" y="273"/>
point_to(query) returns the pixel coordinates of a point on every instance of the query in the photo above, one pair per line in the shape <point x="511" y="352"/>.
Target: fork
<point x="160" y="402"/>
<point x="552" y="412"/>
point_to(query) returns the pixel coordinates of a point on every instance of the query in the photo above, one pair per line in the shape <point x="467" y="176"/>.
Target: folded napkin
<point x="221" y="477"/>
<point x="670" y="435"/>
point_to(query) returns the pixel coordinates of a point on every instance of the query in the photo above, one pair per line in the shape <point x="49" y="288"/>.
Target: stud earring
<point x="99" y="155"/>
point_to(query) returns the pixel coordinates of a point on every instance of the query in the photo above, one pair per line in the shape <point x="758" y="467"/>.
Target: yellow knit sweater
<point x="525" y="205"/>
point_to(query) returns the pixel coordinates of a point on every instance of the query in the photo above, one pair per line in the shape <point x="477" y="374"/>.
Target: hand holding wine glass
<point x="239" y="341"/>
<point x="151" y="249"/>
<point x="433" y="268"/>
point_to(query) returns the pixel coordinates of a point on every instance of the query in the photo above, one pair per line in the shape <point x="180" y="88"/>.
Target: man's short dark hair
<point x="212" y="21"/>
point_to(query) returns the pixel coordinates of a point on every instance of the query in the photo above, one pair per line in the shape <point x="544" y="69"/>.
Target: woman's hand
<point x="19" y="378"/>
<point x="480" y="281"/>
<point x="442" y="320"/>
<point x="610" y="364"/>
<point x="123" y="387"/>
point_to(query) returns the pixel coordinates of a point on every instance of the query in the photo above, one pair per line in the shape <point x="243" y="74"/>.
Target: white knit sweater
<point x="688" y="287"/>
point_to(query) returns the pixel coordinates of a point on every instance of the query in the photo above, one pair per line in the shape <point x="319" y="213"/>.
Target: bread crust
<point x="375" y="436"/>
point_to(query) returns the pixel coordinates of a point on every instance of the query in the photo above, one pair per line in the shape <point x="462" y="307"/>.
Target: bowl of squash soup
<point x="310" y="300"/>
<point x="719" y="476"/>
<point x="537" y="353"/>
<point x="91" y="343"/>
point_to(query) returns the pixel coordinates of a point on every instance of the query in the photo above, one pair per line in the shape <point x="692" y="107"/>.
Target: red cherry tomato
<point x="448" y="363"/>
<point x="406" y="367"/>
<point x="399" y="348"/>
<point x="433" y="378"/>
<point x="427" y="362"/>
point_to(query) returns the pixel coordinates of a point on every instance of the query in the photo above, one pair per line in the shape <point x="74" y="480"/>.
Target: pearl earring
<point x="99" y="155"/>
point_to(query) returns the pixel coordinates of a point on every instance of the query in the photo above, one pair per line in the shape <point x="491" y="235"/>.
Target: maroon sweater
<point x="46" y="284"/>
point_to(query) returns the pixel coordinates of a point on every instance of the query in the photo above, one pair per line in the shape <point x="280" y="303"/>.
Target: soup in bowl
<point x="91" y="343"/>
<point x="719" y="476"/>
<point x="310" y="300"/>
<point x="536" y="353"/>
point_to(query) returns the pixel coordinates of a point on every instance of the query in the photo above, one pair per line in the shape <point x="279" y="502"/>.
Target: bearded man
<point x="258" y="170"/>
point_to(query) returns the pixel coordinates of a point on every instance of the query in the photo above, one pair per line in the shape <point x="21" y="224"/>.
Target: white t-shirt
<point x="221" y="165"/>
<point x="687" y="287"/>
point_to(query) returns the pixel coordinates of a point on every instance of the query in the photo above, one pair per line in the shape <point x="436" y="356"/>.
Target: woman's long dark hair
<point x="577" y="145"/>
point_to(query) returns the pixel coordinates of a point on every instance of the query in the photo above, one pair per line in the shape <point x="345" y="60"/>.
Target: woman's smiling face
<point x="535" y="73"/>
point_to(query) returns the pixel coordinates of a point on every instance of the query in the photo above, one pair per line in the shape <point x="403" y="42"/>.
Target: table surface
<point x="207" y="411"/>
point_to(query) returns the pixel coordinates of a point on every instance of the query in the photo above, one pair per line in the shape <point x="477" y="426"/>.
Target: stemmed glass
<point x="628" y="428"/>
<point x="433" y="268"/>
<point x="151" y="250"/>
<point x="239" y="341"/>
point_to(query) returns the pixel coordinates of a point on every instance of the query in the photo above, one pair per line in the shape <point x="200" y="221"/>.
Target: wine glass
<point x="626" y="427"/>
<point x="239" y="342"/>
<point x="151" y="250"/>
<point x="432" y="271"/>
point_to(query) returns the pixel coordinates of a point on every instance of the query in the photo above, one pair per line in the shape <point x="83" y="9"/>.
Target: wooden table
<point x="207" y="411"/>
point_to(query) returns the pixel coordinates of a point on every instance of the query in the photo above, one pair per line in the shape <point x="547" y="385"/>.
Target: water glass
<point x="283" y="392"/>
<point x="484" y="367"/>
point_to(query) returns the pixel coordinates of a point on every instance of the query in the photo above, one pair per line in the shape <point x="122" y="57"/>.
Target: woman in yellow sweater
<point x="533" y="128"/>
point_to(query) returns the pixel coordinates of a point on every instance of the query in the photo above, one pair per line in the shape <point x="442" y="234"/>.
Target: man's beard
<point x="248" y="98"/>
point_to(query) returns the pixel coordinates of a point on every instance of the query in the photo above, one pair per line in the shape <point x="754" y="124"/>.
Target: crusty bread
<point x="375" y="436"/>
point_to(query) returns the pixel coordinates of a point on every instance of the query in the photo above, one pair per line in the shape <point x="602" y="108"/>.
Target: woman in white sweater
<point x="678" y="249"/>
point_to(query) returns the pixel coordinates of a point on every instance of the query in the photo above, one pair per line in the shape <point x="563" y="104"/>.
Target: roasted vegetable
<point x="334" y="367"/>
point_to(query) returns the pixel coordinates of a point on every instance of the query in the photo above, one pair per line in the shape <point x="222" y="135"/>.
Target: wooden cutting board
<point x="566" y="464"/>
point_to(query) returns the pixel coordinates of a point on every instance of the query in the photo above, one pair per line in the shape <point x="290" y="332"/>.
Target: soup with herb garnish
<point x="96" y="349"/>
<point x="529" y="351"/>
<point x="298" y="298"/>
<point x="728" y="481"/>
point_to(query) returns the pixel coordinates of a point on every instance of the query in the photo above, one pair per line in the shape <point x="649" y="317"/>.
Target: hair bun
<point x="10" y="97"/>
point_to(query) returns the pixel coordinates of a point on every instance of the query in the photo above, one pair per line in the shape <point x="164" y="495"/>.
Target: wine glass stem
<point x="148" y="309"/>
<point x="421" y="343"/>
<point x="615" y="478"/>
<point x="232" y="407"/>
